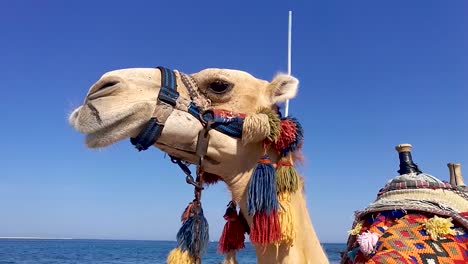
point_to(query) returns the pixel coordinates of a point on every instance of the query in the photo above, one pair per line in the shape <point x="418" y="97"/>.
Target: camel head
<point x="120" y="103"/>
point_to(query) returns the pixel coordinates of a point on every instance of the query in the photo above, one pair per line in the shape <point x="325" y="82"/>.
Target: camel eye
<point x="219" y="87"/>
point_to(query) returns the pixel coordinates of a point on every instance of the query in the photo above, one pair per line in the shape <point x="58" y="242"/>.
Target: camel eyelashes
<point x="219" y="87"/>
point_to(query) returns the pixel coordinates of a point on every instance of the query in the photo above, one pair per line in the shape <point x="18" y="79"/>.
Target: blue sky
<point x="373" y="74"/>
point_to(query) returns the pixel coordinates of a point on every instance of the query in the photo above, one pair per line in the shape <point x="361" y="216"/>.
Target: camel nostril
<point x="103" y="88"/>
<point x="106" y="84"/>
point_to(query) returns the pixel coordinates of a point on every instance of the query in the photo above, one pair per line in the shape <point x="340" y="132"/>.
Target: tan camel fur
<point x="121" y="102"/>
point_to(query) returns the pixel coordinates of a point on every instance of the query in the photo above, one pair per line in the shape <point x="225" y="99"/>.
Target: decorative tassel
<point x="291" y="136"/>
<point x="265" y="228"/>
<point x="232" y="238"/>
<point x="367" y="242"/>
<point x="177" y="256"/>
<point x="287" y="134"/>
<point x="287" y="220"/>
<point x="297" y="143"/>
<point x="356" y="229"/>
<point x="262" y="203"/>
<point x="261" y="195"/>
<point x="438" y="227"/>
<point x="187" y="212"/>
<point x="287" y="180"/>
<point x="193" y="235"/>
<point x="274" y="123"/>
<point x="255" y="128"/>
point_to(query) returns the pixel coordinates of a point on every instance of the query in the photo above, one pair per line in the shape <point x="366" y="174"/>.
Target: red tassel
<point x="232" y="238"/>
<point x="265" y="228"/>
<point x="287" y="135"/>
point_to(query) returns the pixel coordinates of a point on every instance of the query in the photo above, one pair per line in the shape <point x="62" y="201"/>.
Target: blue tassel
<point x="193" y="235"/>
<point x="261" y="195"/>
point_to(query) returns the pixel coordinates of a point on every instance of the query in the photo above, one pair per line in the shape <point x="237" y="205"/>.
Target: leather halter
<point x="168" y="99"/>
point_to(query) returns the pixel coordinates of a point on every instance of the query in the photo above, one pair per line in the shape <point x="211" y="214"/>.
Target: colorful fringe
<point x="262" y="203"/>
<point x="291" y="136"/>
<point x="287" y="180"/>
<point x="274" y="123"/>
<point x="177" y="256"/>
<point x="287" y="220"/>
<point x="273" y="221"/>
<point x="232" y="238"/>
<point x="192" y="238"/>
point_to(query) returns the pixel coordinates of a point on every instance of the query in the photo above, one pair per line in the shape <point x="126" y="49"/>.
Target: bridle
<point x="168" y="100"/>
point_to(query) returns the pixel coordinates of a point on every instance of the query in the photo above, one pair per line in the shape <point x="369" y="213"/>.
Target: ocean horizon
<point x="29" y="250"/>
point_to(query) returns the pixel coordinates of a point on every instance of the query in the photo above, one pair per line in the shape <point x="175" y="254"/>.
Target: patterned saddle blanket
<point x="402" y="237"/>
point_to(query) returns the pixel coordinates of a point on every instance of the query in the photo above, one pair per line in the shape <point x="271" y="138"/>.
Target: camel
<point x="120" y="103"/>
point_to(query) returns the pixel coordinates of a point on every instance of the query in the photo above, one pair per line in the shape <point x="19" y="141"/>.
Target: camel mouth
<point x="111" y="133"/>
<point x="101" y="130"/>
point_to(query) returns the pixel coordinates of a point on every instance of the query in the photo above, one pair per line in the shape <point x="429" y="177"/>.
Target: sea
<point x="73" y="251"/>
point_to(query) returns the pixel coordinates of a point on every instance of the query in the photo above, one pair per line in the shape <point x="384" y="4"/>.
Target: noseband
<point x="169" y="99"/>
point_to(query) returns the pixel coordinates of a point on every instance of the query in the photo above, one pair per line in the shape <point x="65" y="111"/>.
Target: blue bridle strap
<point x="168" y="95"/>
<point x="229" y="126"/>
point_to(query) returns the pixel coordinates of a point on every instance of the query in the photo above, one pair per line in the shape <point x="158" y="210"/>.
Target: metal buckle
<point x="188" y="174"/>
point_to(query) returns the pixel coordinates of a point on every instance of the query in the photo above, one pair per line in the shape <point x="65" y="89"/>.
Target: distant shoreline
<point x="113" y="239"/>
<point x="39" y="238"/>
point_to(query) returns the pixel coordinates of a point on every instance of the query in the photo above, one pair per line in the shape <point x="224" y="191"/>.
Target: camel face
<point x="116" y="106"/>
<point x="120" y="103"/>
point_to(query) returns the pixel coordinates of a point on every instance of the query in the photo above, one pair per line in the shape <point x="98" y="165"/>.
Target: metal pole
<point x="286" y="105"/>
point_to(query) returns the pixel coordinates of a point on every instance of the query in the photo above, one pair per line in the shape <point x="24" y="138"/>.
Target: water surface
<point x="73" y="251"/>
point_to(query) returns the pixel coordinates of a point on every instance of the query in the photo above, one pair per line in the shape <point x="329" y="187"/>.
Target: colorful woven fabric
<point x="422" y="193"/>
<point x="403" y="240"/>
<point x="416" y="184"/>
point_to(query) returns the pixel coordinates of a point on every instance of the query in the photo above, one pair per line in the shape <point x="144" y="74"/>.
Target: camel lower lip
<point x="100" y="138"/>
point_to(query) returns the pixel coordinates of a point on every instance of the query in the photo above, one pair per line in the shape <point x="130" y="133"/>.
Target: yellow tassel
<point x="287" y="220"/>
<point x="357" y="229"/>
<point x="177" y="256"/>
<point x="438" y="227"/>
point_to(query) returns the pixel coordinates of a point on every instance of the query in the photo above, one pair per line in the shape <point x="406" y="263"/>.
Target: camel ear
<point x="283" y="87"/>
